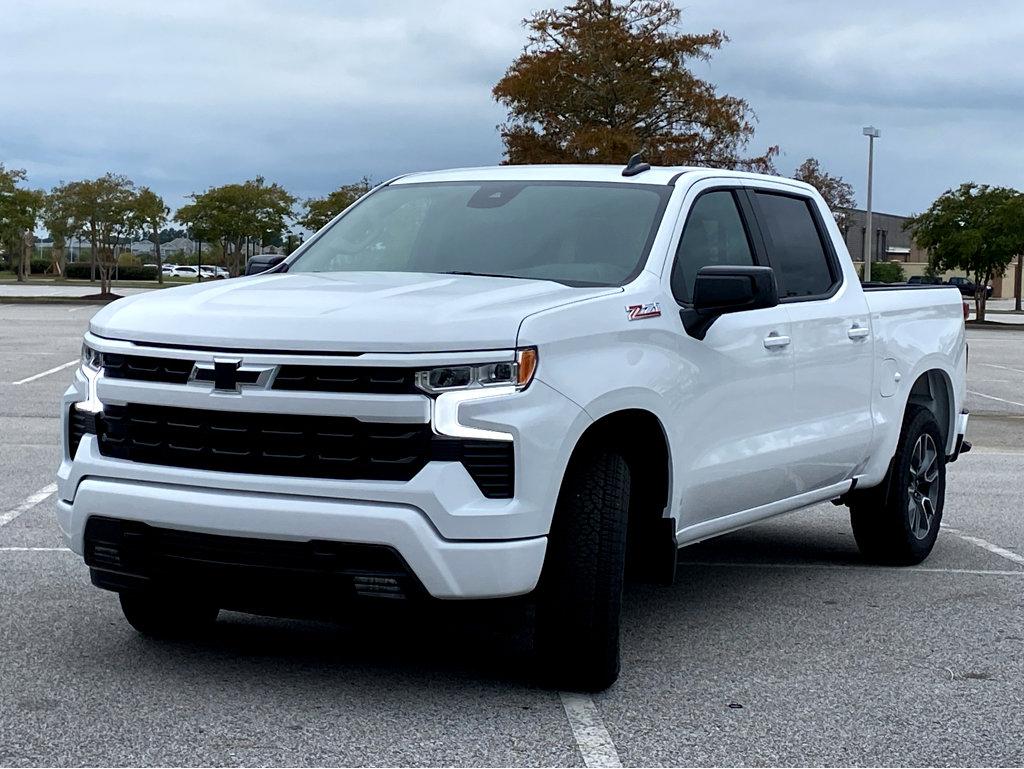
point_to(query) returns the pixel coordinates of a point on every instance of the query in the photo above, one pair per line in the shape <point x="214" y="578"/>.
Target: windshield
<point x="582" y="234"/>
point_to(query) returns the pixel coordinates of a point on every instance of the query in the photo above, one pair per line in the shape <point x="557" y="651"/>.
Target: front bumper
<point x="446" y="569"/>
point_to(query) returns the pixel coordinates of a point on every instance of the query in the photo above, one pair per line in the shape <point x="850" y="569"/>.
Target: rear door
<point x="831" y="340"/>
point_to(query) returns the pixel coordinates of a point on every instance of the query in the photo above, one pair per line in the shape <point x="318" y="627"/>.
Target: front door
<point x="736" y="385"/>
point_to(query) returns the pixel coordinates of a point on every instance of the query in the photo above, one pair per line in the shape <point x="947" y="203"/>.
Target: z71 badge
<point x="641" y="311"/>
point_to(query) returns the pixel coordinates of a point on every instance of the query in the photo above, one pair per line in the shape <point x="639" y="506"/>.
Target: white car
<point x="185" y="271"/>
<point x="493" y="382"/>
<point x="168" y="269"/>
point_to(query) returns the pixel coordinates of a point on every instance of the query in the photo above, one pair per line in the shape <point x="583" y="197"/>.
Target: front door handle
<point x="775" y="340"/>
<point x="857" y="331"/>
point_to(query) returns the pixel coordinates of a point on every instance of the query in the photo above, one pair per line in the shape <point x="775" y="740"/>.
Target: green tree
<point x="19" y="212"/>
<point x="599" y="80"/>
<point x="837" y="192"/>
<point x="104" y="210"/>
<point x="58" y="219"/>
<point x="234" y="215"/>
<point x="319" y="211"/>
<point x="151" y="214"/>
<point x="975" y="228"/>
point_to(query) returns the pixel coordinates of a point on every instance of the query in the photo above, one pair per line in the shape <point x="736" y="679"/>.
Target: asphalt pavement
<point x="776" y="645"/>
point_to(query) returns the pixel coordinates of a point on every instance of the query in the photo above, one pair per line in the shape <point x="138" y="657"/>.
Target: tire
<point x="159" y="615"/>
<point x="580" y="592"/>
<point x="897" y="522"/>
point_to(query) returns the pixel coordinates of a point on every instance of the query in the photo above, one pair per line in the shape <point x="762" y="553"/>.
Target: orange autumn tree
<point x="599" y="80"/>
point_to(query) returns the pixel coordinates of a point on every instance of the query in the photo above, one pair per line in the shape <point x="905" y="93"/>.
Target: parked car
<point x="168" y="269"/>
<point x="967" y="287"/>
<point x="185" y="271"/>
<point x="925" y="280"/>
<point x="210" y="272"/>
<point x="493" y="382"/>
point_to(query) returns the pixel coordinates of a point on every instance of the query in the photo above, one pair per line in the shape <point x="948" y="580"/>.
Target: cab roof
<point x="578" y="173"/>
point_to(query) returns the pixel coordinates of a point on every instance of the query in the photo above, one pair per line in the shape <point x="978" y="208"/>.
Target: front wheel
<point x="897" y="522"/>
<point x="580" y="593"/>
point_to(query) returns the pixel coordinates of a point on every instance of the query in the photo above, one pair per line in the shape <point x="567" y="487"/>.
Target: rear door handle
<point x="775" y="340"/>
<point x="857" y="331"/>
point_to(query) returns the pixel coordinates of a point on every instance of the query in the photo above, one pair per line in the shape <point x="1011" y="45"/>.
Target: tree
<point x="975" y="228"/>
<point x="600" y="80"/>
<point x="151" y="213"/>
<point x="319" y="211"/>
<point x="236" y="214"/>
<point x="19" y="211"/>
<point x="58" y="219"/>
<point x="837" y="192"/>
<point x="104" y="210"/>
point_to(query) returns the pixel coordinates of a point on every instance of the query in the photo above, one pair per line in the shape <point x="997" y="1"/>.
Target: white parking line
<point x="592" y="738"/>
<point x="28" y="504"/>
<point x="35" y="549"/>
<point x="1004" y="368"/>
<point x="994" y="398"/>
<point x="986" y="545"/>
<point x="40" y="375"/>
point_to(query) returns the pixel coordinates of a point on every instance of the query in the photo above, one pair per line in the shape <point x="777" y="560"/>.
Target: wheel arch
<point x="640" y="437"/>
<point x="933" y="390"/>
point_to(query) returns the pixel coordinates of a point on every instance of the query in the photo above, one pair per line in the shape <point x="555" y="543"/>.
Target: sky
<point x="182" y="95"/>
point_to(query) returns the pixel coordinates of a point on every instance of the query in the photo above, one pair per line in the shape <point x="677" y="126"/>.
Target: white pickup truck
<point x="494" y="382"/>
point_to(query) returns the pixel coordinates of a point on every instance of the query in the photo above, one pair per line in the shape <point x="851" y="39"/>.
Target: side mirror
<point x="262" y="263"/>
<point x="722" y="289"/>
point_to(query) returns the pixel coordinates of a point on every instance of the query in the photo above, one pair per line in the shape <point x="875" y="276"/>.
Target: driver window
<point x="714" y="234"/>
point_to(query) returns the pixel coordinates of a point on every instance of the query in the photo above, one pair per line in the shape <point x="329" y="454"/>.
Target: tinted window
<point x="714" y="234"/>
<point x="797" y="253"/>
<point x="574" y="233"/>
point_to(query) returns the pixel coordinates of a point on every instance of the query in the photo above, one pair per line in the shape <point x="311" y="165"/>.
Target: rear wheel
<point x="580" y="594"/>
<point x="898" y="522"/>
<point x="161" y="615"/>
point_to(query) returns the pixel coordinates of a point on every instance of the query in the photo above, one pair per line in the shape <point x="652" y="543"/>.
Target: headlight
<point x="517" y="373"/>
<point x="91" y="359"/>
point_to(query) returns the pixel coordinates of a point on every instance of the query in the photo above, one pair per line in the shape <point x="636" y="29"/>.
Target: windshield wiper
<point x="480" y="274"/>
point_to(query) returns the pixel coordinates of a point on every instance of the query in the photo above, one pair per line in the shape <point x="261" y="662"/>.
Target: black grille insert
<point x="146" y="369"/>
<point x="132" y="554"/>
<point x="297" y="445"/>
<point x="346" y="379"/>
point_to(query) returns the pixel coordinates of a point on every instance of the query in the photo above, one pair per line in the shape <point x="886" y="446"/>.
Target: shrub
<point x="39" y="266"/>
<point x="887" y="272"/>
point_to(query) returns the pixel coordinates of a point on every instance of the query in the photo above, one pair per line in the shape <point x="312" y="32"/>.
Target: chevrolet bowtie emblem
<point x="230" y="375"/>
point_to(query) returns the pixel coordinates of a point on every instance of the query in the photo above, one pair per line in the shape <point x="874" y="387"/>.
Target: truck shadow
<point x="491" y="643"/>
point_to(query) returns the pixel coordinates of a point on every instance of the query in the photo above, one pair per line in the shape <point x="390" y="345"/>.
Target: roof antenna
<point x="636" y="165"/>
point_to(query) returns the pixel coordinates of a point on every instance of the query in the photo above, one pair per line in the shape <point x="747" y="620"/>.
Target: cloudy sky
<point x="185" y="94"/>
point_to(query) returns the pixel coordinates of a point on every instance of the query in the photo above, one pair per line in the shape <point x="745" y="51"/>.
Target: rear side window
<point x="714" y="234"/>
<point x="802" y="266"/>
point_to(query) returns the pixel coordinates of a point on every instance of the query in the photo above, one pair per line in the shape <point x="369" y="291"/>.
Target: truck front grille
<point x="293" y="445"/>
<point x="384" y="380"/>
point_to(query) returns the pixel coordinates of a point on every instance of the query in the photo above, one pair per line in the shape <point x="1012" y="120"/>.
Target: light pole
<point x="869" y="236"/>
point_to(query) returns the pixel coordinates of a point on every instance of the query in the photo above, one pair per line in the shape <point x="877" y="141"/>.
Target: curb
<point x="990" y="324"/>
<point x="54" y="300"/>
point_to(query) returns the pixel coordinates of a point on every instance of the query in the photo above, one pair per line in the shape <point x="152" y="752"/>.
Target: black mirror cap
<point x="722" y="289"/>
<point x="262" y="263"/>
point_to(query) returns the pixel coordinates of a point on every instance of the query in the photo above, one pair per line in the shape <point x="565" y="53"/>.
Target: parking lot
<point x="777" y="645"/>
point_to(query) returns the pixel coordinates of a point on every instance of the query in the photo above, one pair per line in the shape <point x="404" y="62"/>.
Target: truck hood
<point x="338" y="312"/>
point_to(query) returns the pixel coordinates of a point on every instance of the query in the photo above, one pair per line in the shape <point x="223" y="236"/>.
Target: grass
<point x="8" y="277"/>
